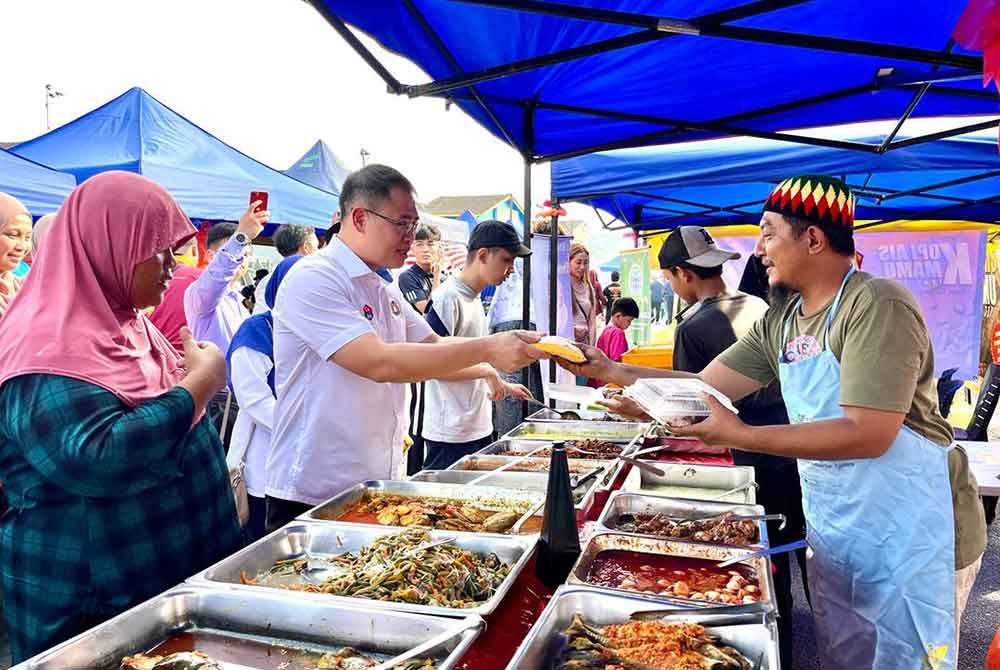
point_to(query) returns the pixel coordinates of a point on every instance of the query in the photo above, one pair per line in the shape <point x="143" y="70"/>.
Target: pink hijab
<point x="73" y="315"/>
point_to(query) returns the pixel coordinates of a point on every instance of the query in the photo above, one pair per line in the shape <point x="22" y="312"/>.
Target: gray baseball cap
<point x="692" y="245"/>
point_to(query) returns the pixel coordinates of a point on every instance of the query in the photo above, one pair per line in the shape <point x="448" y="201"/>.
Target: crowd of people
<point x="122" y="362"/>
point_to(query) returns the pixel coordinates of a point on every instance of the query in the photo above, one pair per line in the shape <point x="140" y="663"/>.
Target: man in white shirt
<point x="458" y="415"/>
<point x="346" y="342"/>
<point x="290" y="239"/>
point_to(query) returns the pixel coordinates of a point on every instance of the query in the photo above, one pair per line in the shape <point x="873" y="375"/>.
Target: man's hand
<point x="722" y="428"/>
<point x="252" y="223"/>
<point x="597" y="365"/>
<point x="510" y="351"/>
<point x="626" y="407"/>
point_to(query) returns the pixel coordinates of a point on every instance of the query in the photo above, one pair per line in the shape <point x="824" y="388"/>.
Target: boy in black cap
<point x="715" y="318"/>
<point x="458" y="416"/>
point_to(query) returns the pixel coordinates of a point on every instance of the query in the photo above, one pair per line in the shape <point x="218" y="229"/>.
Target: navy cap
<point x="497" y="234"/>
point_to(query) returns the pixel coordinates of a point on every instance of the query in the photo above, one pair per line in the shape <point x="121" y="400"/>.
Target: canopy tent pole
<point x="553" y="283"/>
<point x="352" y="39"/>
<point x="613" y="44"/>
<point x="943" y="184"/>
<point x="912" y="105"/>
<point x="694" y="27"/>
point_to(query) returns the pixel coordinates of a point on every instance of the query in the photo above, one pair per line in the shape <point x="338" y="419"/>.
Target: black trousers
<point x="781" y="493"/>
<point x="281" y="512"/>
<point x="442" y="455"/>
<point x="415" y="456"/>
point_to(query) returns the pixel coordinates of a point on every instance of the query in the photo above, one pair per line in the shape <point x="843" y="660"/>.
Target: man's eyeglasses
<point x="405" y="226"/>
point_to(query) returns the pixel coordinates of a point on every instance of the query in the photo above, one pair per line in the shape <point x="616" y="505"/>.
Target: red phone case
<point x="259" y="195"/>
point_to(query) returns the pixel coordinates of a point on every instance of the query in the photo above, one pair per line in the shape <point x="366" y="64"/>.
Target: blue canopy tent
<point x="210" y="179"/>
<point x="722" y="182"/>
<point x="589" y="75"/>
<point x="595" y="75"/>
<point x="39" y="188"/>
<point x="321" y="168"/>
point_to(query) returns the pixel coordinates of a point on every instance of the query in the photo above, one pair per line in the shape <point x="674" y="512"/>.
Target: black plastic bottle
<point x="559" y="546"/>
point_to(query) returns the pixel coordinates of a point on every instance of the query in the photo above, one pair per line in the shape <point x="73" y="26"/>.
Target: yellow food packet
<point x="561" y="347"/>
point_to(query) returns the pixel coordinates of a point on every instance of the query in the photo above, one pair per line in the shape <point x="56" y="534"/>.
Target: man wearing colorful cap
<point x="894" y="520"/>
<point x="715" y="318"/>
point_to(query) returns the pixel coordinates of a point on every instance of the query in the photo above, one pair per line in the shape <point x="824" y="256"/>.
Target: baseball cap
<point x="692" y="245"/>
<point x="493" y="234"/>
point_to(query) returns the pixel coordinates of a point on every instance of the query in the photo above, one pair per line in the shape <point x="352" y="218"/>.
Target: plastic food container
<point x="675" y="402"/>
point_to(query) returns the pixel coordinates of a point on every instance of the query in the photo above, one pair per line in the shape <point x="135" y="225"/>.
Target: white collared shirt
<point x="333" y="428"/>
<point x="251" y="439"/>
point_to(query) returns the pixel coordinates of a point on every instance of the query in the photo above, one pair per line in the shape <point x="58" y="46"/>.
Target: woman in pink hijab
<point x="117" y="482"/>
<point x="15" y="243"/>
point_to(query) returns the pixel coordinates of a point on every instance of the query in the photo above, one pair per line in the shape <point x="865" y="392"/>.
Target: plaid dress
<point x="108" y="505"/>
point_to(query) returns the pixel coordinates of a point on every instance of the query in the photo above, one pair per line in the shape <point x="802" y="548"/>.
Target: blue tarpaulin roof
<point x="41" y="189"/>
<point x="721" y="182"/>
<point x="583" y="75"/>
<point x="321" y="168"/>
<point x="210" y="179"/>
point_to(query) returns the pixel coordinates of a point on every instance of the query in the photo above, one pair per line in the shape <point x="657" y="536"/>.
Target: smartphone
<point x="259" y="195"/>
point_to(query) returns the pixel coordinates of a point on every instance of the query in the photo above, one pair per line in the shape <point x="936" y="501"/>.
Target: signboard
<point x="635" y="276"/>
<point x="944" y="269"/>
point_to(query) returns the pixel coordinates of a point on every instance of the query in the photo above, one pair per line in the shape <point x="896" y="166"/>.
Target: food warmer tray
<point x="486" y="497"/>
<point x="611" y="431"/>
<point x="755" y="636"/>
<point x="717" y="477"/>
<point x="275" y="617"/>
<point x="521" y="481"/>
<point x="623" y="502"/>
<point x="658" y="546"/>
<point x="588" y="415"/>
<point x="322" y="540"/>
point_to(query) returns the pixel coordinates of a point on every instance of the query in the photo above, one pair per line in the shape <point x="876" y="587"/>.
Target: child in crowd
<point x="612" y="340"/>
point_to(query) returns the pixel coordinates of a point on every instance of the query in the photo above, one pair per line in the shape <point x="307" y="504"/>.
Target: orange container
<point x="651" y="356"/>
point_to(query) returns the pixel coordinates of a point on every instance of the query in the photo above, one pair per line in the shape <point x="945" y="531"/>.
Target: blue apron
<point x="881" y="535"/>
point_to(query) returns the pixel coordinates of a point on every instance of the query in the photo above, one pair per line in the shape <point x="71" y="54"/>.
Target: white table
<point x="984" y="461"/>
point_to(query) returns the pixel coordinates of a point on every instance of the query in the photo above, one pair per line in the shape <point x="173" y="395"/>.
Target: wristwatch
<point x="242" y="238"/>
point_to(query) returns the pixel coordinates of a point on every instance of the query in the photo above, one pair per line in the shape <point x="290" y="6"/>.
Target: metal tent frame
<point x="946" y="68"/>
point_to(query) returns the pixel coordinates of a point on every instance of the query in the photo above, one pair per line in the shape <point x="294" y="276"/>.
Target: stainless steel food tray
<point x="578" y="430"/>
<point x="520" y="481"/>
<point x="507" y="446"/>
<point x="754" y="636"/>
<point x="485" y="462"/>
<point x="486" y="497"/>
<point x="588" y="415"/>
<point x="658" y="546"/>
<point x="328" y="539"/>
<point x="719" y="478"/>
<point x="275" y="617"/>
<point x="623" y="502"/>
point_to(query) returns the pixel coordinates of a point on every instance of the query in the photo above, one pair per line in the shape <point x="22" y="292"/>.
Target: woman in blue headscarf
<point x="250" y="361"/>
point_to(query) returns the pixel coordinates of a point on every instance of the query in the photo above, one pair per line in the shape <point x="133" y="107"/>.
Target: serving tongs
<point x="642" y="465"/>
<point x="741" y="487"/>
<point x="728" y="516"/>
<point x="430" y="644"/>
<point x="564" y="415"/>
<point x="780" y="549"/>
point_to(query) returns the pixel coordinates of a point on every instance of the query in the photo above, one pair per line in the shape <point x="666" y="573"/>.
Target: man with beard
<point x="715" y="318"/>
<point x="895" y="528"/>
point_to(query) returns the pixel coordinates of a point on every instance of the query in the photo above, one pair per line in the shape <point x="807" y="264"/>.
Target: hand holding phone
<point x="253" y="220"/>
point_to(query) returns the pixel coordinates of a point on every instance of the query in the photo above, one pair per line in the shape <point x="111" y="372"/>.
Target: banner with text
<point x="944" y="269"/>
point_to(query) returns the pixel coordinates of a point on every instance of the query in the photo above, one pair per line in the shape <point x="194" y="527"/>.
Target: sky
<point x="269" y="77"/>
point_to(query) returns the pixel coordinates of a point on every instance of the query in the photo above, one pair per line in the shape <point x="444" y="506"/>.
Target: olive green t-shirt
<point x="878" y="335"/>
<point x="886" y="362"/>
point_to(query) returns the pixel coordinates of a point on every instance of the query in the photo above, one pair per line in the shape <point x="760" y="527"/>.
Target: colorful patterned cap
<point x="818" y="198"/>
